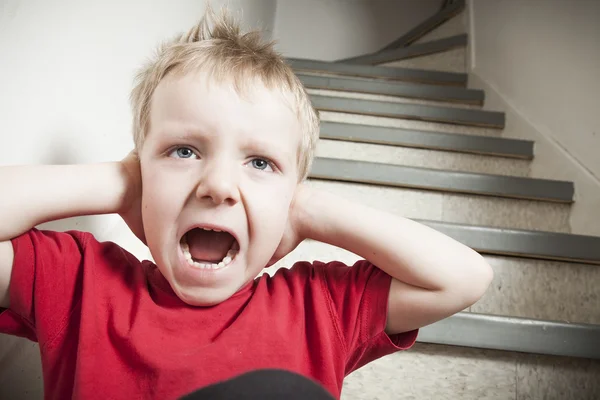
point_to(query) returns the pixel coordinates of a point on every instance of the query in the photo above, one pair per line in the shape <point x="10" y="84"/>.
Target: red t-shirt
<point x="110" y="326"/>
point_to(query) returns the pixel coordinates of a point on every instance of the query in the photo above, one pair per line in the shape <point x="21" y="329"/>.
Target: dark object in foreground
<point x="265" y="384"/>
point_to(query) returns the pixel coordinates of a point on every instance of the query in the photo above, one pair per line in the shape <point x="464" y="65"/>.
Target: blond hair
<point x="217" y="46"/>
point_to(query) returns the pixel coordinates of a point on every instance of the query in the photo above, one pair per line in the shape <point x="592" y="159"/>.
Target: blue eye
<point x="182" y="152"/>
<point x="261" y="164"/>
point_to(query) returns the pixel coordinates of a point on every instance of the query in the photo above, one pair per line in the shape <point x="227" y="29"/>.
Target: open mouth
<point x="206" y="248"/>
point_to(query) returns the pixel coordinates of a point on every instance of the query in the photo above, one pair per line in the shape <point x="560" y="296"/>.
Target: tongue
<point x="209" y="245"/>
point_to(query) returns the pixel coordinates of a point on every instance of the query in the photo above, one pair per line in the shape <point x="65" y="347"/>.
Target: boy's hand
<point x="131" y="210"/>
<point x="295" y="231"/>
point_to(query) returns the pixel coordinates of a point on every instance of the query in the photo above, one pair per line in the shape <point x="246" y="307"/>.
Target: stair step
<point x="389" y="109"/>
<point x="471" y="329"/>
<point x="522" y="287"/>
<point x="542" y="289"/>
<point x="515" y="334"/>
<point x="464" y="209"/>
<point x="456" y="25"/>
<point x="427" y="26"/>
<point x="452" y="61"/>
<point x="379" y="73"/>
<point x="484" y="145"/>
<point x="448" y="181"/>
<point x="417" y="50"/>
<point x="413" y="124"/>
<point x="391" y="99"/>
<point x="408" y="90"/>
<point x="523" y="243"/>
<point x="423" y="158"/>
<point x="430" y="371"/>
<point x="22" y="376"/>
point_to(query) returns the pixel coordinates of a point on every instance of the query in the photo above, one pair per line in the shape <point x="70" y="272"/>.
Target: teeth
<point x="209" y="229"/>
<point x="188" y="256"/>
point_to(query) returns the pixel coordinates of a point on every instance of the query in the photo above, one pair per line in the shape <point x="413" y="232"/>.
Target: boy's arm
<point x="36" y="194"/>
<point x="433" y="275"/>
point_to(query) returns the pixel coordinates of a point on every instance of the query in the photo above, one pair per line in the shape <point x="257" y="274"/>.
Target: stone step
<point x="448" y="94"/>
<point x="453" y="60"/>
<point x="457" y="208"/>
<point x="373" y="73"/>
<point x="431" y="25"/>
<point x="417" y="148"/>
<point x="389" y="109"/>
<point x="429" y="371"/>
<point x="413" y="124"/>
<point x="457" y="24"/>
<point x="522" y="288"/>
<point x="419" y="139"/>
<point x="391" y="99"/>
<point x="412" y="138"/>
<point x="21" y="377"/>
<point x="441" y="180"/>
<point x="542" y="289"/>
<point x="525" y="335"/>
<point x="424" y="158"/>
<point x="416" y="50"/>
<point x="532" y="243"/>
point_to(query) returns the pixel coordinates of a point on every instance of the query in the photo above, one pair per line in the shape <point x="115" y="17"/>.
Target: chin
<point x="204" y="297"/>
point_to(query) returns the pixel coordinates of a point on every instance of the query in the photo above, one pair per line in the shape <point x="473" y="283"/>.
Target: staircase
<point x="402" y="132"/>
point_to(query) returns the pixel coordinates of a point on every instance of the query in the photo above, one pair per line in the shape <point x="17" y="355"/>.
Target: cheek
<point x="271" y="211"/>
<point x="161" y="200"/>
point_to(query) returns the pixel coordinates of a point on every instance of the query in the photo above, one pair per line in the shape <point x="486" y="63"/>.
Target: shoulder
<point x="48" y="239"/>
<point x="330" y="277"/>
<point x="71" y="249"/>
<point x="307" y="270"/>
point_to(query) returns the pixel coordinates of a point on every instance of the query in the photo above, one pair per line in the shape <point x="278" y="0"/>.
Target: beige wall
<point x="334" y="29"/>
<point x="543" y="58"/>
<point x="255" y="14"/>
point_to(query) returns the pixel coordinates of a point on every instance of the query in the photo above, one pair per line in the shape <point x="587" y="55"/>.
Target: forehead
<point x="194" y="102"/>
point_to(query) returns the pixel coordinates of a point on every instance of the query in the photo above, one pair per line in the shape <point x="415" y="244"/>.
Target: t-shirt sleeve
<point x="359" y="301"/>
<point x="45" y="283"/>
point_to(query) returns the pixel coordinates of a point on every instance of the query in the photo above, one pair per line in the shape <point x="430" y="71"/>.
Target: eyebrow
<point x="268" y="149"/>
<point x="183" y="134"/>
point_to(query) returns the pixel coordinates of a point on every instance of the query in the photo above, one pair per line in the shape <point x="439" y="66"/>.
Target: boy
<point x="224" y="135"/>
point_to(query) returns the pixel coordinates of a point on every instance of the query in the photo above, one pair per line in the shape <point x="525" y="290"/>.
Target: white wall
<point x="66" y="70"/>
<point x="255" y="14"/>
<point x="333" y="29"/>
<point x="543" y="58"/>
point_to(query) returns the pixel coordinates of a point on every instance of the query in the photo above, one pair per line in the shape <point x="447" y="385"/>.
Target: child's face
<point x="212" y="159"/>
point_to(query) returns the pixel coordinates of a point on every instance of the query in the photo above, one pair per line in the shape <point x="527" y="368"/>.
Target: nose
<point x="219" y="183"/>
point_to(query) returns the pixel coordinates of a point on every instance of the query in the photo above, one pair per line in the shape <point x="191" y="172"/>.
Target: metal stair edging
<point x="385" y="74"/>
<point x="442" y="180"/>
<point x="432" y="140"/>
<point x="427" y="26"/>
<point x="449" y="115"/>
<point x="515" y="334"/>
<point x="399" y="89"/>
<point x="541" y="245"/>
<point x="417" y="50"/>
